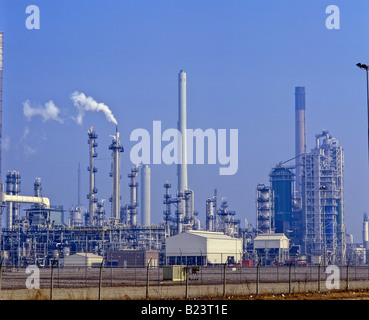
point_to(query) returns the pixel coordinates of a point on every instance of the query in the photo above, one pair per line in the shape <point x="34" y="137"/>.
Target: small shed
<point x="272" y="248"/>
<point x="83" y="259"/>
<point x="133" y="258"/>
<point x="271" y="241"/>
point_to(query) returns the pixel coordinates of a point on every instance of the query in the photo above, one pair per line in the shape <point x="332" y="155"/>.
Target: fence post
<point x="100" y="279"/>
<point x="319" y="277"/>
<point x="52" y="280"/>
<point x="1" y="272"/>
<point x="289" y="279"/>
<point x="147" y="279"/>
<point x="224" y="280"/>
<point x="187" y="273"/>
<point x="241" y="273"/>
<point x="347" y="276"/>
<point x="257" y="278"/>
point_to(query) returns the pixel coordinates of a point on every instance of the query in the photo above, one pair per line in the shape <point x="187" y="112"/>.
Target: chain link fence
<point x="153" y="279"/>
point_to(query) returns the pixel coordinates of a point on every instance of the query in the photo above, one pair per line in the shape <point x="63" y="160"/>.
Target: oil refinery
<point x="300" y="213"/>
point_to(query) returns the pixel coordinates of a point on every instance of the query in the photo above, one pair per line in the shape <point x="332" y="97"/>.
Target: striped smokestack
<point x="1" y="115"/>
<point x="1" y="98"/>
<point x="300" y="135"/>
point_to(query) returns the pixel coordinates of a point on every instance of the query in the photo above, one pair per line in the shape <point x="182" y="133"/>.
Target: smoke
<point x="48" y="112"/>
<point x="83" y="104"/>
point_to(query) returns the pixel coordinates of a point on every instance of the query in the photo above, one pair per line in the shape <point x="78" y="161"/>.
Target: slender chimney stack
<point x="1" y="113"/>
<point x="1" y="105"/>
<point x="300" y="136"/>
<point x="182" y="125"/>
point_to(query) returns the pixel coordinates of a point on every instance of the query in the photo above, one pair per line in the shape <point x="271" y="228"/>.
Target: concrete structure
<point x="145" y="195"/>
<point x="82" y="259"/>
<point x="202" y="247"/>
<point x="271" y="248"/>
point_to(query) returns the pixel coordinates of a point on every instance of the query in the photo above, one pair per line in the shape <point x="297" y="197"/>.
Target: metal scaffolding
<point x="323" y="202"/>
<point x="264" y="209"/>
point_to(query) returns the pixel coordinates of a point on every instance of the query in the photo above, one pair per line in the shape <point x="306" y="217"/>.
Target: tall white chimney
<point x="182" y="125"/>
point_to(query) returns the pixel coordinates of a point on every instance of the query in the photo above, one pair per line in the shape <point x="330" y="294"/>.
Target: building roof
<point x="209" y="234"/>
<point x="86" y="254"/>
<point x="271" y="236"/>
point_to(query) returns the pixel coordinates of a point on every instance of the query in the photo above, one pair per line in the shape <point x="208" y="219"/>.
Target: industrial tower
<point x="323" y="201"/>
<point x="115" y="174"/>
<point x="92" y="200"/>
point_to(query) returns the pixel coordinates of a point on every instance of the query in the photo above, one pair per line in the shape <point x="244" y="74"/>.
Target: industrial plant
<point x="300" y="212"/>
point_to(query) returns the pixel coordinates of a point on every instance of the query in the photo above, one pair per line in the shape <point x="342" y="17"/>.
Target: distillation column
<point x="12" y="188"/>
<point x="37" y="187"/>
<point x="210" y="216"/>
<point x="133" y="196"/>
<point x="115" y="174"/>
<point x="92" y="136"/>
<point x="145" y="195"/>
<point x="167" y="212"/>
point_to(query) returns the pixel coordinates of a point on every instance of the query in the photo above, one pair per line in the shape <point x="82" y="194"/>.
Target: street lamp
<point x="366" y="68"/>
<point x="324" y="188"/>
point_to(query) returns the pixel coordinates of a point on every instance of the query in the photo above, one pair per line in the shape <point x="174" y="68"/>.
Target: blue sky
<point x="243" y="60"/>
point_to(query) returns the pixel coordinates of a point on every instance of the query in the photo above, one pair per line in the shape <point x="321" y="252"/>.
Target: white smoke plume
<point x="48" y="112"/>
<point x="83" y="104"/>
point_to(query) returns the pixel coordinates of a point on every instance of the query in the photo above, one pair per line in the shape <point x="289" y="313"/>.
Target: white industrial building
<point x="83" y="259"/>
<point x="272" y="248"/>
<point x="195" y="247"/>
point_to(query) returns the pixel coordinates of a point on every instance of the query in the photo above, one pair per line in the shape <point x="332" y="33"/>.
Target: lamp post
<point x="323" y="189"/>
<point x="366" y="68"/>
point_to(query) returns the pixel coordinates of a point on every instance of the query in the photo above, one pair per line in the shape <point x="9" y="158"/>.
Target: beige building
<point x="83" y="259"/>
<point x="272" y="248"/>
